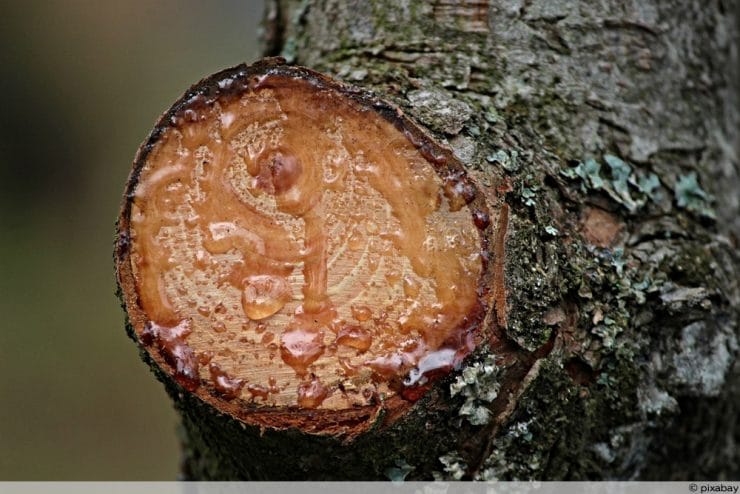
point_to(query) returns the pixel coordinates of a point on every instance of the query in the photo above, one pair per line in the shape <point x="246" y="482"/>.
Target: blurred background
<point x="84" y="82"/>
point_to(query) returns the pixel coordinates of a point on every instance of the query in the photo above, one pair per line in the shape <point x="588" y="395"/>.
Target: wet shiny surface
<point x="311" y="249"/>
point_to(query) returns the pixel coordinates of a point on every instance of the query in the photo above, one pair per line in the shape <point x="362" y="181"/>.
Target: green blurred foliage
<point x="83" y="83"/>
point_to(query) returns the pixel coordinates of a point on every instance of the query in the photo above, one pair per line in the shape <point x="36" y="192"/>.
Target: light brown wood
<point x="292" y="247"/>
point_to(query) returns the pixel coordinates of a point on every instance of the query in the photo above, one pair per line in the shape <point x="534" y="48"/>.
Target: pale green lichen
<point x="508" y="161"/>
<point x="454" y="466"/>
<point x="621" y="183"/>
<point x="400" y="471"/>
<point x="620" y="180"/>
<point x="690" y="196"/>
<point x="647" y="184"/>
<point x="498" y="466"/>
<point x="608" y="332"/>
<point x="588" y="171"/>
<point x="618" y="260"/>
<point x="478" y="384"/>
<point x="625" y="281"/>
<point x="610" y="283"/>
<point x="528" y="195"/>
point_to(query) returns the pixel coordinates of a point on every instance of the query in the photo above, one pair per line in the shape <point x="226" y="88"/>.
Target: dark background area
<point x="82" y="84"/>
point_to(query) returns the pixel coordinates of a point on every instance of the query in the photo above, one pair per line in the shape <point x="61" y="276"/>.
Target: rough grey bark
<point x="612" y="127"/>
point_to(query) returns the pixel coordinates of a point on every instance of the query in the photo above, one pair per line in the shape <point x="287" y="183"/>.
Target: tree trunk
<point x="605" y="135"/>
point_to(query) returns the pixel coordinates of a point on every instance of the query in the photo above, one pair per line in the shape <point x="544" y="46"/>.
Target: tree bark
<point x="606" y="134"/>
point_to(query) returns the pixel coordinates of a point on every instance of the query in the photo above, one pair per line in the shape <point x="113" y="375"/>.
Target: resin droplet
<point x="228" y="387"/>
<point x="273" y="385"/>
<point x="481" y="219"/>
<point x="440" y="362"/>
<point x="311" y="394"/>
<point x="387" y="365"/>
<point x="170" y="342"/>
<point x="264" y="295"/>
<point x="275" y="172"/>
<point x="355" y="337"/>
<point x="361" y="312"/>
<point x="258" y="391"/>
<point x="300" y="347"/>
<point x="204" y="358"/>
<point x="267" y="337"/>
<point x="458" y="192"/>
<point x="285" y="171"/>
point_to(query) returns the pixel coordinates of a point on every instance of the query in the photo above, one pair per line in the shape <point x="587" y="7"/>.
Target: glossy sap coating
<point x="307" y="251"/>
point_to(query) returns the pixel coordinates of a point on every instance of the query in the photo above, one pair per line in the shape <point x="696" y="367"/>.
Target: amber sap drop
<point x="264" y="295"/>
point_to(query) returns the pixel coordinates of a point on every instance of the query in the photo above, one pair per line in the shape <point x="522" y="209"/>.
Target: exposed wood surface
<point x="294" y="243"/>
